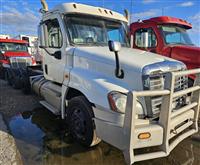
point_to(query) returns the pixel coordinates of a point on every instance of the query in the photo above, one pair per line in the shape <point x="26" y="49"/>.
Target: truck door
<point x="54" y="53"/>
<point x="145" y="39"/>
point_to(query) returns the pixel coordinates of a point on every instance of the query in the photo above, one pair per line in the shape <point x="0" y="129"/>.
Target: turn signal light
<point x="144" y="135"/>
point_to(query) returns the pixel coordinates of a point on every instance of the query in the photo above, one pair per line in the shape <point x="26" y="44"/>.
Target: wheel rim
<point x="78" y="124"/>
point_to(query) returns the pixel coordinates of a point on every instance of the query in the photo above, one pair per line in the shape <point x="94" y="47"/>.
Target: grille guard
<point x="166" y="116"/>
<point x="174" y="126"/>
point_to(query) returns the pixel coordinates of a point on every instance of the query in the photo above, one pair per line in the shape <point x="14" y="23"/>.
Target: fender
<point x="93" y="85"/>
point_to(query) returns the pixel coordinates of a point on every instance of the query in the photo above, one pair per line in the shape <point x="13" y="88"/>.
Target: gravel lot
<point x="14" y="101"/>
<point x="30" y="127"/>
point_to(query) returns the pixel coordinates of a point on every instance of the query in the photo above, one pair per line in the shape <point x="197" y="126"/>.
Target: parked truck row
<point x="105" y="90"/>
<point x="14" y="58"/>
<point x="167" y="36"/>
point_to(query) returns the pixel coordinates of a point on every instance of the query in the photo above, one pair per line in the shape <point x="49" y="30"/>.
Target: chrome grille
<point x="156" y="104"/>
<point x="20" y="62"/>
<point x="156" y="82"/>
<point x="181" y="83"/>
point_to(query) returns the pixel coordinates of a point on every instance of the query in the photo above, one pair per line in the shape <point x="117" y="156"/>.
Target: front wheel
<point x="80" y="121"/>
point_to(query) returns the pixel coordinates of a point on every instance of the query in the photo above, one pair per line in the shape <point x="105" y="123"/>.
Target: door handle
<point x="57" y="55"/>
<point x="46" y="68"/>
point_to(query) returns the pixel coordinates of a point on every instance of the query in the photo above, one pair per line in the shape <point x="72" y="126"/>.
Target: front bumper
<point x="172" y="127"/>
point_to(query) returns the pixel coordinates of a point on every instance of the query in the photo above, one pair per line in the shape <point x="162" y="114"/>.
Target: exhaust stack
<point x="127" y="15"/>
<point x="44" y="5"/>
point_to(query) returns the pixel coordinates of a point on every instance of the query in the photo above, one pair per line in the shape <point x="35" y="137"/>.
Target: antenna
<point x="163" y="11"/>
<point x="131" y="10"/>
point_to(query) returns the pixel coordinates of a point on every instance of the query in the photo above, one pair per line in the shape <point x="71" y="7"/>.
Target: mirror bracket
<point x="115" y="47"/>
<point x="119" y="73"/>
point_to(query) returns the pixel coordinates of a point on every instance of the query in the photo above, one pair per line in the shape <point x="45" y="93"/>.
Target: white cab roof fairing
<point x="77" y="8"/>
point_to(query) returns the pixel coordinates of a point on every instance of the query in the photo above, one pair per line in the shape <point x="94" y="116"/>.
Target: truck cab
<point x="104" y="89"/>
<point x="167" y="36"/>
<point x="13" y="56"/>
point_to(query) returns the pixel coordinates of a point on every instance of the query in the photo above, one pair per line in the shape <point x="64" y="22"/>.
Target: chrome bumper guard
<point x="176" y="124"/>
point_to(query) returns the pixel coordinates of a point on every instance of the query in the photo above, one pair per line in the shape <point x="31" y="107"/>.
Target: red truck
<point x="166" y="36"/>
<point x="14" y="58"/>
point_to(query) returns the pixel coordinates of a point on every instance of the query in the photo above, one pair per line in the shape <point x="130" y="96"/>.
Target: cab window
<point x="54" y="34"/>
<point x="116" y="32"/>
<point x="145" y="38"/>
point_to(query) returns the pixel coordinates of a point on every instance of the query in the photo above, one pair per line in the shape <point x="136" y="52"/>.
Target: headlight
<point x="117" y="101"/>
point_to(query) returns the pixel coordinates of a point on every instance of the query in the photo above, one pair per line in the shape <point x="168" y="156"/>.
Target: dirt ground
<point x="42" y="140"/>
<point x="14" y="101"/>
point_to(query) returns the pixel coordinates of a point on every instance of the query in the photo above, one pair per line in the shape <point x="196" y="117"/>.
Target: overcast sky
<point x="22" y="17"/>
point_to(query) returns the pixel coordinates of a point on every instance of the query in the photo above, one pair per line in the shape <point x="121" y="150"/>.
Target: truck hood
<point x="128" y="57"/>
<point x="100" y="61"/>
<point x="16" y="54"/>
<point x="190" y="55"/>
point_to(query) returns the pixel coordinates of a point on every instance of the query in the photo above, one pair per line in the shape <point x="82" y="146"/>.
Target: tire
<point x="2" y="73"/>
<point x="26" y="87"/>
<point x="8" y="78"/>
<point x="16" y="82"/>
<point x="80" y="122"/>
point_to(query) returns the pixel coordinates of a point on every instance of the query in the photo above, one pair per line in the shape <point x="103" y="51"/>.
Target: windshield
<point x="175" y="35"/>
<point x="95" y="31"/>
<point x="15" y="47"/>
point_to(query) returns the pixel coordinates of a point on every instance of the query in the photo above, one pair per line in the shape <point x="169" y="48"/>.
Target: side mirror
<point x="145" y="39"/>
<point x="57" y="55"/>
<point x="114" y="46"/>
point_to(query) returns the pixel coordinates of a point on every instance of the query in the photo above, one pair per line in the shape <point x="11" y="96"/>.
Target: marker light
<point x="144" y="135"/>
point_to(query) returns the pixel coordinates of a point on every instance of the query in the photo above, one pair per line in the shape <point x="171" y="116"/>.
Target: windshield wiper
<point x="90" y="44"/>
<point x="99" y="44"/>
<point x="177" y="43"/>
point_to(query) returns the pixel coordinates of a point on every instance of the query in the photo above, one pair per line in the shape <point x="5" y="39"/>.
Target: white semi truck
<point x="106" y="90"/>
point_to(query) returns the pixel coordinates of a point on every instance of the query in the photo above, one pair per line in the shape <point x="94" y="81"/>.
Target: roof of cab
<point x="13" y="41"/>
<point x="86" y="9"/>
<point x="169" y="20"/>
